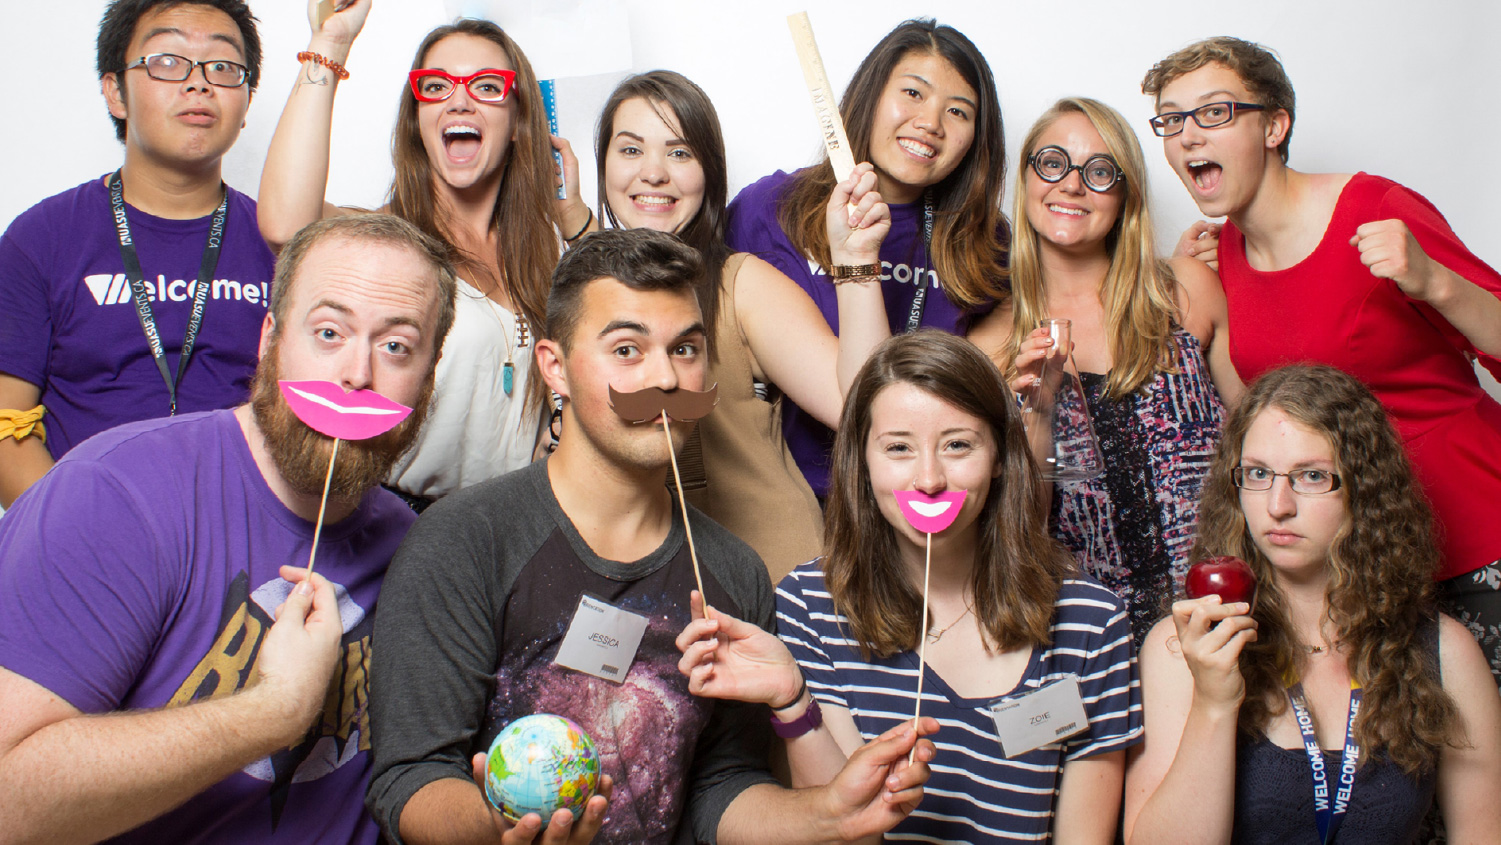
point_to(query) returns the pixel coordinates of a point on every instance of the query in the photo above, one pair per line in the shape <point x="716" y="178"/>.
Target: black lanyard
<point x="920" y="299"/>
<point x="142" y="299"/>
<point x="1328" y="810"/>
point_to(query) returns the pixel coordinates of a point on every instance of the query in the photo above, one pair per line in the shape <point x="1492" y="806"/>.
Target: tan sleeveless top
<point x="754" y="487"/>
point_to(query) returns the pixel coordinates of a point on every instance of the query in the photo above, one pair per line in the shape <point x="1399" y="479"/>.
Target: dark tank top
<point x="1274" y="792"/>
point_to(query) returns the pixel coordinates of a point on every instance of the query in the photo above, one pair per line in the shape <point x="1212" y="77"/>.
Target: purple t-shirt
<point x="753" y="228"/>
<point x="68" y="324"/>
<point x="141" y="572"/>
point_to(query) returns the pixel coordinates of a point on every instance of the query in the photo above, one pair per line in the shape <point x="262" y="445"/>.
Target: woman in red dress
<point x="1355" y="271"/>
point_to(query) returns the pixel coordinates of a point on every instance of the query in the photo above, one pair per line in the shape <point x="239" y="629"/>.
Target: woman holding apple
<point x="1339" y="700"/>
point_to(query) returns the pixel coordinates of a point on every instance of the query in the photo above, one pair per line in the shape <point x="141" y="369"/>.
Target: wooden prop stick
<point x="683" y="502"/>
<point x="323" y="11"/>
<point x="922" y="642"/>
<point x="322" y="505"/>
<point x="825" y="106"/>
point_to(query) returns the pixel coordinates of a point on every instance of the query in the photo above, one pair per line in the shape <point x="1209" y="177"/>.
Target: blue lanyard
<point x="1328" y="811"/>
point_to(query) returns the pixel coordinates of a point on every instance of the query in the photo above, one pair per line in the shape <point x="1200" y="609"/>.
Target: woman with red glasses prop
<point x="1027" y="667"/>
<point x="662" y="166"/>
<point x="474" y="168"/>
<point x="922" y="110"/>
<point x="1339" y="704"/>
<point x="1354" y="271"/>
<point x="1147" y="336"/>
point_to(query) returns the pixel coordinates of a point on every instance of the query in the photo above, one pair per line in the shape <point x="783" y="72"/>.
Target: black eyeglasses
<point x="1170" y="123"/>
<point x="1305" y="482"/>
<point x="169" y="67"/>
<point x="1099" y="172"/>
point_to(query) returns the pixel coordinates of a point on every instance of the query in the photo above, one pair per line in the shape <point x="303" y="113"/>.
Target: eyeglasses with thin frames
<point x="1099" y="172"/>
<point x="1305" y="482"/>
<point x="490" y="85"/>
<point x="1208" y="116"/>
<point x="170" y="67"/>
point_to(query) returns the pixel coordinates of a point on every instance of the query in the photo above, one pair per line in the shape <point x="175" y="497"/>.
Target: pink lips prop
<point x="348" y="415"/>
<point x="930" y="514"/>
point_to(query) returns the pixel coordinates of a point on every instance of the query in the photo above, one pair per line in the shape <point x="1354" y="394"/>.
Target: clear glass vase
<point x="1056" y="416"/>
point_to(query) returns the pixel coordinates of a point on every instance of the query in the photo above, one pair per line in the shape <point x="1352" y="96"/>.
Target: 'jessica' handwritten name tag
<point x="602" y="640"/>
<point x="1051" y="713"/>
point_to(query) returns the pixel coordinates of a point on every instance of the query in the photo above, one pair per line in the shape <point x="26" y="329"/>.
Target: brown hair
<point x="687" y="110"/>
<point x="1257" y="67"/>
<point x="1018" y="568"/>
<point x="528" y="249"/>
<point x="640" y="259"/>
<point x="1137" y="294"/>
<point x="370" y="228"/>
<point x="967" y="254"/>
<point x="1381" y="567"/>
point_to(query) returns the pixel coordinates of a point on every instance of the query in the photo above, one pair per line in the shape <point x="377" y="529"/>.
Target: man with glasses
<point x="102" y="318"/>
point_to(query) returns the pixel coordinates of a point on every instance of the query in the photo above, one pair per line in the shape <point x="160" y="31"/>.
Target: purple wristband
<point x="809" y="721"/>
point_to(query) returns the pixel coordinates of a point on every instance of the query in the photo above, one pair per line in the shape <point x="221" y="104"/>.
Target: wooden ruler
<point x="825" y="105"/>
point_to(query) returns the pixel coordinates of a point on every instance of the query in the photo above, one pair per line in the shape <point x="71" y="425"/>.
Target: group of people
<point x="868" y="340"/>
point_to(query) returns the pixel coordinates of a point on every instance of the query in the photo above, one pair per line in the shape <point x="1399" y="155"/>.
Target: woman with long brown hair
<point x="661" y="164"/>
<point x="1149" y="338"/>
<point x="1339" y="699"/>
<point x="1014" y="633"/>
<point x="922" y="110"/>
<point x="474" y="169"/>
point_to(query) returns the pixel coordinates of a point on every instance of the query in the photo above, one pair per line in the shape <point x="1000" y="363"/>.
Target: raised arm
<point x="1191" y="693"/>
<point x="791" y="344"/>
<point x="295" y="177"/>
<point x="71" y="777"/>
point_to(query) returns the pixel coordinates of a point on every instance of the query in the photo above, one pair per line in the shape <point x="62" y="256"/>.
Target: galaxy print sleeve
<point x="434" y="655"/>
<point x="733" y="752"/>
<point x="1091" y="624"/>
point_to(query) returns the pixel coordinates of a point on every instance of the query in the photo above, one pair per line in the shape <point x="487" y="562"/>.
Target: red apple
<point x="1228" y="577"/>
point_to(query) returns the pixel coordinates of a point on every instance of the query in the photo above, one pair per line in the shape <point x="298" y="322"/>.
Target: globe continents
<point x="540" y="764"/>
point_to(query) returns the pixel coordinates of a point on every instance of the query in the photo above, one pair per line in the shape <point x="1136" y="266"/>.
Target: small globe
<point x="540" y="764"/>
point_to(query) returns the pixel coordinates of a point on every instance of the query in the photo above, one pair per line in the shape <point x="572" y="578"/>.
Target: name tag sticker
<point x="1051" y="713"/>
<point x="602" y="640"/>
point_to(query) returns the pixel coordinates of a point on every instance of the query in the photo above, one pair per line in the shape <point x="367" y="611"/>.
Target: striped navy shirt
<point x="974" y="794"/>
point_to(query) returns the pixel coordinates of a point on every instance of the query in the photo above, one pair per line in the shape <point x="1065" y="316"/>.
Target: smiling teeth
<point x="460" y="130"/>
<point x="917" y="149"/>
<point x="929" y="509"/>
<point x="655" y="200"/>
<point x="1072" y="212"/>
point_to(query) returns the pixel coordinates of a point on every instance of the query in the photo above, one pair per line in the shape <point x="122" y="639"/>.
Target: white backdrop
<point x="1404" y="89"/>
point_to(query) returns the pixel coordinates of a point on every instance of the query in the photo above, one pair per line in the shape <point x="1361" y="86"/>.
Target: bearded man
<point x="168" y="673"/>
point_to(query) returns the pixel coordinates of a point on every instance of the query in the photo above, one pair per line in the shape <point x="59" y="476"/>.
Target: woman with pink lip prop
<point x="1354" y="271"/>
<point x="661" y="161"/>
<point x="1343" y="703"/>
<point x="473" y="169"/>
<point x="1028" y="666"/>
<point x="1149" y="338"/>
<point x="922" y="110"/>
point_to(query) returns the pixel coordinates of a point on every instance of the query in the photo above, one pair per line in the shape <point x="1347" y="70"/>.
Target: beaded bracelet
<point x="338" y="69"/>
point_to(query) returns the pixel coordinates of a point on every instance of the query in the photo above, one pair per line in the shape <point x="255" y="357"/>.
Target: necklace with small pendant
<point x="523" y="338"/>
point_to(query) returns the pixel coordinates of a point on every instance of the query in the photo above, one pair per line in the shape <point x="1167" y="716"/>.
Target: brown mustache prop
<point x="681" y="404"/>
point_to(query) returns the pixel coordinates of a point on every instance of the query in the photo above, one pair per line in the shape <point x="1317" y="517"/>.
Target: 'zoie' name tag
<point x="1048" y="714"/>
<point x="602" y="640"/>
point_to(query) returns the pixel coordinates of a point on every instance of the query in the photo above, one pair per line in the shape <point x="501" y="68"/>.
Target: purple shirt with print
<point x="753" y="228"/>
<point x="68" y="324"/>
<point x="141" y="572"/>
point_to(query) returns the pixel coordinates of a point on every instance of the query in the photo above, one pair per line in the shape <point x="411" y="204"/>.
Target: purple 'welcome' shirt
<point x="68" y="324"/>
<point x="753" y="228"/>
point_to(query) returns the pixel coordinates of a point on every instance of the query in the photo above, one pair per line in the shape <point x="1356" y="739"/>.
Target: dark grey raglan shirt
<point x="473" y="610"/>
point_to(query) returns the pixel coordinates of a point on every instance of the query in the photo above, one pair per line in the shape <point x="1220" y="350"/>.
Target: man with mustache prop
<point x="562" y="587"/>
<point x="169" y="672"/>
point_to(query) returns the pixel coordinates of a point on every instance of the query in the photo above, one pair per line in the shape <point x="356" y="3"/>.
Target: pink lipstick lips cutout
<point x="348" y="415"/>
<point x="930" y="514"/>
